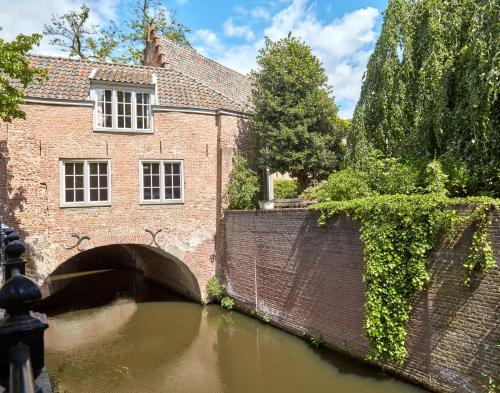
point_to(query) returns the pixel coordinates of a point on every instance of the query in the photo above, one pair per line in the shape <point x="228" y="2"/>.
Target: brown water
<point x="135" y="344"/>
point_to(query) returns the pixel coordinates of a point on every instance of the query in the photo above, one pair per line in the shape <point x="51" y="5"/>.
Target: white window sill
<point x="71" y="205"/>
<point x="174" y="202"/>
<point x="123" y="131"/>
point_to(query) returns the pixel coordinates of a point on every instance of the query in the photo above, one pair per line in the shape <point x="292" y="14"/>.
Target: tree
<point x="125" y="43"/>
<point x="295" y="116"/>
<point x="73" y="33"/>
<point x="15" y="74"/>
<point x="243" y="188"/>
<point x="149" y="14"/>
<point x="431" y="89"/>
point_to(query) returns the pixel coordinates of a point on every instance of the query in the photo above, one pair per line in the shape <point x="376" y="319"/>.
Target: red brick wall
<point x="51" y="132"/>
<point x="308" y="280"/>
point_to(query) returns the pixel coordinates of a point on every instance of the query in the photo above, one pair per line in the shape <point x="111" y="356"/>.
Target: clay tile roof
<point x="226" y="81"/>
<point x="71" y="79"/>
<point x="114" y="73"/>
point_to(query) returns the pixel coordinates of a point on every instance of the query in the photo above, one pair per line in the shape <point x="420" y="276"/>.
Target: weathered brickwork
<point x="308" y="280"/>
<point x="30" y="153"/>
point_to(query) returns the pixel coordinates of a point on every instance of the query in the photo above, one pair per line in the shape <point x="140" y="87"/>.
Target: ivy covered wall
<point x="308" y="280"/>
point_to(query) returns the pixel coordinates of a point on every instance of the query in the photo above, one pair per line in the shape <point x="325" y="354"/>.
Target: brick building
<point x="125" y="163"/>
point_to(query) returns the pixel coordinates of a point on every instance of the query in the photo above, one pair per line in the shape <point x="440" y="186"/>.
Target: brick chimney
<point x="152" y="53"/>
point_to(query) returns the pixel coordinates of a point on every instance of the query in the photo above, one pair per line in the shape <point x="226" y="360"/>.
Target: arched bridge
<point x="183" y="264"/>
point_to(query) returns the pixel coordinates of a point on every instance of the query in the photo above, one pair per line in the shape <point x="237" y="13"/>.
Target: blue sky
<point x="340" y="32"/>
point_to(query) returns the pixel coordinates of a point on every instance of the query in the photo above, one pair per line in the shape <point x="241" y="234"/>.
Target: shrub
<point x="342" y="185"/>
<point x="317" y="340"/>
<point x="243" y="187"/>
<point x="458" y="179"/>
<point x="389" y="176"/>
<point x="285" y="189"/>
<point x="227" y="302"/>
<point x="435" y="178"/>
<point x="213" y="289"/>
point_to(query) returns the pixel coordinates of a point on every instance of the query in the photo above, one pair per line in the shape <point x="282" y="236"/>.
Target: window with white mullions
<point x="122" y="110"/>
<point x="98" y="176"/>
<point x="104" y="108"/>
<point x="162" y="181"/>
<point x="142" y="110"/>
<point x="151" y="181"/>
<point x="124" y="106"/>
<point x="74" y="182"/>
<point x="173" y="189"/>
<point x="85" y="182"/>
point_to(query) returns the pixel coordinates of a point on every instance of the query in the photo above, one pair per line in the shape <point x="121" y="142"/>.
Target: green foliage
<point x="295" y="117"/>
<point x="431" y="90"/>
<point x="398" y="231"/>
<point x="265" y="317"/>
<point x="243" y="187"/>
<point x="124" y="42"/>
<point x="285" y="189"/>
<point x="493" y="384"/>
<point x="436" y="178"/>
<point x="214" y="289"/>
<point x="147" y="14"/>
<point x="14" y="65"/>
<point x="390" y="176"/>
<point x="481" y="252"/>
<point x="457" y="182"/>
<point x="385" y="177"/>
<point x="73" y="33"/>
<point x="317" y="340"/>
<point x="342" y="185"/>
<point x="227" y="302"/>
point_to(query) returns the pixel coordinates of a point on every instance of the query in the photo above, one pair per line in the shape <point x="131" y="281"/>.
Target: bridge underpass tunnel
<point x="98" y="276"/>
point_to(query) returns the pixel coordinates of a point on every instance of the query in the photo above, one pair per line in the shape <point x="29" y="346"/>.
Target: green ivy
<point x="481" y="252"/>
<point x="214" y="289"/>
<point x="398" y="232"/>
<point x="242" y="191"/>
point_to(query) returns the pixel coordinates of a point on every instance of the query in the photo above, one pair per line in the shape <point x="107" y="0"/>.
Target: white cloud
<point x="207" y="42"/>
<point x="343" y="45"/>
<point x="28" y="16"/>
<point x="244" y="31"/>
<point x="260" y="13"/>
<point x="182" y="2"/>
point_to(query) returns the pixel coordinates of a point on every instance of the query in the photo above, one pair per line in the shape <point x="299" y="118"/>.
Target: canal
<point x="113" y="331"/>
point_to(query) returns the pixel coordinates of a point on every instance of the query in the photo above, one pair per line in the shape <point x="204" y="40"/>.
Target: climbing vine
<point x="398" y="231"/>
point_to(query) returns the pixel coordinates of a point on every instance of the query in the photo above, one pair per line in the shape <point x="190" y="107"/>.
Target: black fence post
<point x="20" y="328"/>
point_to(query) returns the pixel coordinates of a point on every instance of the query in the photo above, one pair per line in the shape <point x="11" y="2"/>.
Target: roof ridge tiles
<point x="108" y="63"/>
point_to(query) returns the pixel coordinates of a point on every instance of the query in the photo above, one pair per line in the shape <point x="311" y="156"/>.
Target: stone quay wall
<point x="307" y="280"/>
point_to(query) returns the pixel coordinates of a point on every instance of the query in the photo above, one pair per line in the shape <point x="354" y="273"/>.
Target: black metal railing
<point x="21" y="329"/>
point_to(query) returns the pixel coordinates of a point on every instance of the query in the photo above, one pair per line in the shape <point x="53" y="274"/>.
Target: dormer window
<point x="121" y="109"/>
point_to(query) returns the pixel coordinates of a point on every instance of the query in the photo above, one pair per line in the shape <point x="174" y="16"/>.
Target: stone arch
<point x="165" y="266"/>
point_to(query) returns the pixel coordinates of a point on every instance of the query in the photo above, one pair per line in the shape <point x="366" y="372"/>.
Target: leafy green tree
<point x="75" y="35"/>
<point x="343" y="185"/>
<point x="15" y="74"/>
<point x="285" y="189"/>
<point x="147" y="14"/>
<point x="295" y="117"/>
<point x="123" y="43"/>
<point x="243" y="187"/>
<point x="431" y="89"/>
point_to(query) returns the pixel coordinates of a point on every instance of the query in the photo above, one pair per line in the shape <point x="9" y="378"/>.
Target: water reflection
<point x="176" y="346"/>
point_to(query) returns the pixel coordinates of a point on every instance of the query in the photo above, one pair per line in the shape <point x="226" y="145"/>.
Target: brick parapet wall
<point x="308" y="280"/>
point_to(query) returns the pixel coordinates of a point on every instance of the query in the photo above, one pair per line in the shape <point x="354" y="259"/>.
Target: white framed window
<point x="85" y="182"/>
<point x="122" y="109"/>
<point x="162" y="181"/>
